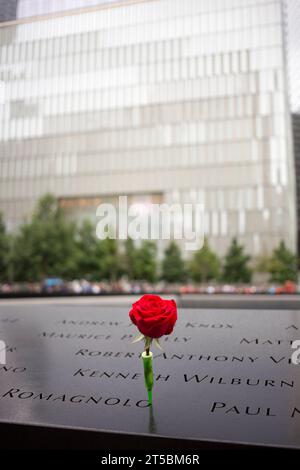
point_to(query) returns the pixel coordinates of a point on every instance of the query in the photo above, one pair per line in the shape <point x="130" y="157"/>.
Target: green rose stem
<point x="147" y="357"/>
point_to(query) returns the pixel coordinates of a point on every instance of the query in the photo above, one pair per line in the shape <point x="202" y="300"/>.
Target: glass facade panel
<point x="155" y="96"/>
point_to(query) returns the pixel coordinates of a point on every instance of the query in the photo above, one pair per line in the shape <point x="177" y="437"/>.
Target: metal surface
<point x="224" y="376"/>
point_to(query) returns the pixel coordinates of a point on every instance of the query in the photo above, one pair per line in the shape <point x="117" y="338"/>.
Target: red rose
<point x="154" y="316"/>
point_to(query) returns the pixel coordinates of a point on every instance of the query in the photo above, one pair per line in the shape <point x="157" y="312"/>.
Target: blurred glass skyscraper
<point x="292" y="29"/>
<point x="162" y="100"/>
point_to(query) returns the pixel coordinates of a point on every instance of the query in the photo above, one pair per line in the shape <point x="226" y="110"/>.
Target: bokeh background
<point x="162" y="101"/>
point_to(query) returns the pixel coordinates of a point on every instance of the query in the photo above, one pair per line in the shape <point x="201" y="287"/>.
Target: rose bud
<point x="154" y="316"/>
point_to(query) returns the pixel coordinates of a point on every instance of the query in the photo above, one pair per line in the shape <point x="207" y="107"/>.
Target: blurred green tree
<point x="204" y="265"/>
<point x="4" y="251"/>
<point x="45" y="246"/>
<point x="173" y="268"/>
<point x="236" y="267"/>
<point x="111" y="260"/>
<point x="146" y="261"/>
<point x="89" y="253"/>
<point x="131" y="259"/>
<point x="283" y="265"/>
